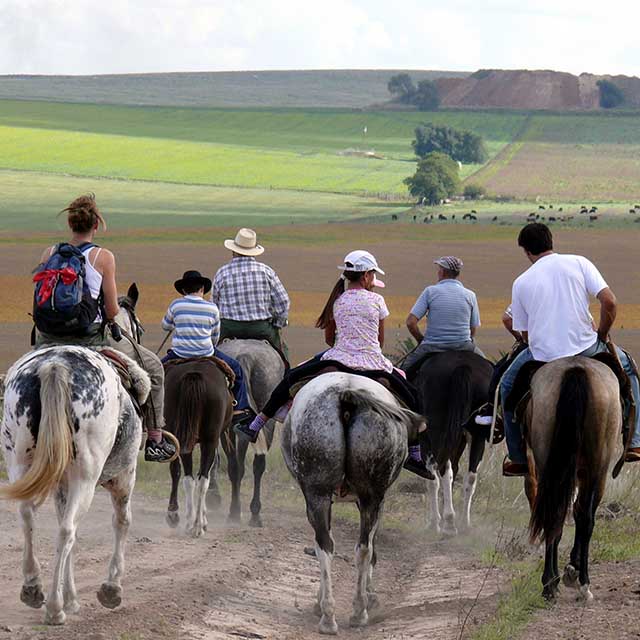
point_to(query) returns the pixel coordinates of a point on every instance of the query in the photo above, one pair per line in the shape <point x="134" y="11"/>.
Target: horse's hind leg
<point x="369" y="518"/>
<point x="120" y="488"/>
<point x="188" y="484"/>
<point x="550" y="575"/>
<point x="173" y="514"/>
<point x="214" y="499"/>
<point x="31" y="593"/>
<point x="207" y="457"/>
<point x="433" y="489"/>
<point x="79" y="495"/>
<point x="319" y="516"/>
<point x="69" y="593"/>
<point x="259" y="466"/>
<point x="448" y="513"/>
<point x="476" y="451"/>
<point x="235" y="470"/>
<point x="585" y="520"/>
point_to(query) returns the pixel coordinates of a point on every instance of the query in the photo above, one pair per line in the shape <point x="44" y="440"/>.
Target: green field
<point x="328" y="88"/>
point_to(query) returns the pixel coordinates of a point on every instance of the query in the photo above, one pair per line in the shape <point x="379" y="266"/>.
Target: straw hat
<point x="245" y="243"/>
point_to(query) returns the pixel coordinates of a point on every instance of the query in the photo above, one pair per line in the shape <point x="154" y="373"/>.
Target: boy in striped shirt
<point x="195" y="323"/>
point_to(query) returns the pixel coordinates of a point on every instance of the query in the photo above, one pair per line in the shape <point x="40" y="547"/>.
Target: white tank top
<point x="93" y="277"/>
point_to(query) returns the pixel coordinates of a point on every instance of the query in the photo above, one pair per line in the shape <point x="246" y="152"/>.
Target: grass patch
<point x="516" y="607"/>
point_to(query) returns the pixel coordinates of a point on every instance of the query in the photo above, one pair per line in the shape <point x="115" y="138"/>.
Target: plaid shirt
<point x="245" y="289"/>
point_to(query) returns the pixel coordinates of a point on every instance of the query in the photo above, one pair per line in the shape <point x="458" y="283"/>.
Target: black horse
<point x="451" y="385"/>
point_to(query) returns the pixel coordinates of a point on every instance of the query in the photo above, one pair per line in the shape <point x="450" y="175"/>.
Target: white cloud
<point x="83" y="36"/>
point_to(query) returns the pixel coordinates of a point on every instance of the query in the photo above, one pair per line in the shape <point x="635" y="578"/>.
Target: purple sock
<point x="415" y="453"/>
<point x="258" y="423"/>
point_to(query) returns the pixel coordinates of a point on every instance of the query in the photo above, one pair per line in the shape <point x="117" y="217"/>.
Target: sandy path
<point x="238" y="582"/>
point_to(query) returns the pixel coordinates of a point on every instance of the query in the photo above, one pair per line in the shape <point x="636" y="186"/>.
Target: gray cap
<point x="450" y="262"/>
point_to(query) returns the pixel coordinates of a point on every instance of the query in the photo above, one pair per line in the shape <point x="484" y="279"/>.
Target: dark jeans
<point x="280" y="395"/>
<point x="239" y="387"/>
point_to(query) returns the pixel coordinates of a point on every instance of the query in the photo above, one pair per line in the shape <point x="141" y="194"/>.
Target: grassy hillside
<point x="282" y="149"/>
<point x="335" y="88"/>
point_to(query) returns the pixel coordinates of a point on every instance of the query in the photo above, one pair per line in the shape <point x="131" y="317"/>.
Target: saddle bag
<point x="62" y="301"/>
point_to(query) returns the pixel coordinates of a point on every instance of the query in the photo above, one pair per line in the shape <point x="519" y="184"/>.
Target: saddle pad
<point x="221" y="364"/>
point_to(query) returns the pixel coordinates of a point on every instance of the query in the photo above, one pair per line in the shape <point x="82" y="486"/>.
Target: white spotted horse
<point x="345" y="430"/>
<point x="69" y="425"/>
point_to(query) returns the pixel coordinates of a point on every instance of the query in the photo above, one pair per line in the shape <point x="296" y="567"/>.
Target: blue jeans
<point x="239" y="387"/>
<point x="513" y="431"/>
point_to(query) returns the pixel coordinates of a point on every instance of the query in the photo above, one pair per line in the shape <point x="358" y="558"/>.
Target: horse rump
<point x="557" y="481"/>
<point x="189" y="412"/>
<point x="54" y="447"/>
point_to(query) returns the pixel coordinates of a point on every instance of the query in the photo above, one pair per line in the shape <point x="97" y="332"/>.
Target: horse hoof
<point x="109" y="596"/>
<point x="373" y="602"/>
<point x="73" y="606"/>
<point x="197" y="532"/>
<point x="32" y="596"/>
<point x="234" y="518"/>
<point x="570" y="577"/>
<point x="585" y="595"/>
<point x="328" y="627"/>
<point x="550" y="594"/>
<point x="317" y="609"/>
<point x="359" y="620"/>
<point x="256" y="521"/>
<point x="56" y="619"/>
<point x="173" y="519"/>
<point x="449" y="532"/>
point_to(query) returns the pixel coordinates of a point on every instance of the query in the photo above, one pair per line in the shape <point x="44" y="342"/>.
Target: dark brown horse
<point x="573" y="422"/>
<point x="450" y="386"/>
<point x="198" y="408"/>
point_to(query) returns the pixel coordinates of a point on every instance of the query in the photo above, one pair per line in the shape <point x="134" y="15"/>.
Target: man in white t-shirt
<point x="550" y="307"/>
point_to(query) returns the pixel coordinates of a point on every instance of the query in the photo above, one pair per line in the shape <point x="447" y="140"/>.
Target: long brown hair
<point x="83" y="214"/>
<point x="326" y="317"/>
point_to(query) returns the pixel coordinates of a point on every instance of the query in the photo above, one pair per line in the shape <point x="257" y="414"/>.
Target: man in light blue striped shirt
<point x="195" y="323"/>
<point x="452" y="315"/>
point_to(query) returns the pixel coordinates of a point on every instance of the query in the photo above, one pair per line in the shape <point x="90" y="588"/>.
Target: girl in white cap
<point x="353" y="323"/>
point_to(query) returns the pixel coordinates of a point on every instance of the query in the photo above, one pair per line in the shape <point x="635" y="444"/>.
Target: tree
<point x="435" y="179"/>
<point x="462" y="146"/>
<point x="474" y="191"/>
<point x="427" y="97"/>
<point x="610" y="95"/>
<point x="402" y="87"/>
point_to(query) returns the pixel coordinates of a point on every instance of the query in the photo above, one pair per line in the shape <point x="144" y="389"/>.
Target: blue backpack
<point x="62" y="301"/>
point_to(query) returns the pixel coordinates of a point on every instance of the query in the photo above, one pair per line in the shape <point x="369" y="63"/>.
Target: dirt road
<point x="238" y="582"/>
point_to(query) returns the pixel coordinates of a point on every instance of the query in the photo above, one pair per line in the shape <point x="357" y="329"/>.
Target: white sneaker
<point x="484" y="421"/>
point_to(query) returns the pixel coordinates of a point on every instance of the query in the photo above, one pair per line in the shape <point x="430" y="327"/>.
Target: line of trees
<point x="463" y="146"/>
<point x="610" y="95"/>
<point x="424" y="95"/>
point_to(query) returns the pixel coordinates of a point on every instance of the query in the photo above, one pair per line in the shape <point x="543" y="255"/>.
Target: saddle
<point x="264" y="338"/>
<point x="520" y="395"/>
<point x="295" y="388"/>
<point x="221" y="364"/>
<point x="129" y="373"/>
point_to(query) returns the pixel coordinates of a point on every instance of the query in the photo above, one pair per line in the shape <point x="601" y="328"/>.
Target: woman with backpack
<point x="76" y="296"/>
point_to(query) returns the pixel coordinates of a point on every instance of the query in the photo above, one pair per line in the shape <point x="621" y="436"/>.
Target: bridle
<point x="136" y="326"/>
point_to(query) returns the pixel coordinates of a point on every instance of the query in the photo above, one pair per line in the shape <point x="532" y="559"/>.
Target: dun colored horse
<point x="573" y="422"/>
<point x="450" y="386"/>
<point x="346" y="430"/>
<point x="198" y="408"/>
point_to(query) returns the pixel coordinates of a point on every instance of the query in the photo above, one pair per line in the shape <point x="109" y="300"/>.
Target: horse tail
<point x="557" y="481"/>
<point x="189" y="411"/>
<point x="459" y="398"/>
<point x="54" y="448"/>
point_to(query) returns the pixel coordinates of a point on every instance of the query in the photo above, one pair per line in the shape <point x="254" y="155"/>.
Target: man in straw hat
<point x="452" y="315"/>
<point x="253" y="302"/>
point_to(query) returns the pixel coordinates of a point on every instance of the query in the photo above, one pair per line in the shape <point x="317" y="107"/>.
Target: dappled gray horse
<point x="68" y="425"/>
<point x="346" y="431"/>
<point x="263" y="369"/>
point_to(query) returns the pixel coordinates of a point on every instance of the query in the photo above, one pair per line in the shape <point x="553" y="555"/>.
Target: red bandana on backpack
<point x="49" y="278"/>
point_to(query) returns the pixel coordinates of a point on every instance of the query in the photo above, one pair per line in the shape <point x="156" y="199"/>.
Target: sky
<point x="136" y="36"/>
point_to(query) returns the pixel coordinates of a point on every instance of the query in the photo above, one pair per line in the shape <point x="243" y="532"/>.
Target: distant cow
<point x="540" y="206"/>
<point x="466" y="216"/>
<point x="472" y="217"/>
<point x="560" y="209"/>
<point x="494" y="219"/>
<point x="552" y="219"/>
<point x="592" y="218"/>
<point x="414" y="218"/>
<point x="473" y="211"/>
<point x="394" y="216"/>
<point x="632" y="210"/>
<point x="441" y="217"/>
<point x="550" y="206"/>
<point x="426" y="219"/>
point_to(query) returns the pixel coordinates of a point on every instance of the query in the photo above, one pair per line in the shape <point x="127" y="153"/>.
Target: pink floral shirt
<point x="357" y="313"/>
